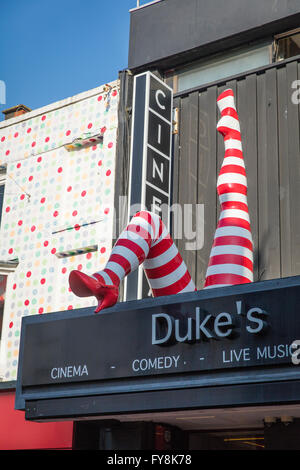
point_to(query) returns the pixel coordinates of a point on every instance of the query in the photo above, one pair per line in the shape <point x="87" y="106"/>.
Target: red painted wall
<point x="16" y="433"/>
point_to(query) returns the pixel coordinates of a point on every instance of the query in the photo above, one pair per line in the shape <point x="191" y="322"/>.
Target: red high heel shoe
<point x="83" y="285"/>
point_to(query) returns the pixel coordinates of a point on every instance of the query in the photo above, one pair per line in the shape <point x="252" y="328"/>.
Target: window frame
<point x="172" y="76"/>
<point x="277" y="37"/>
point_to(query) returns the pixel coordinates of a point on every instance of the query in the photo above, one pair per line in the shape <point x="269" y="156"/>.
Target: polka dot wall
<point x="58" y="206"/>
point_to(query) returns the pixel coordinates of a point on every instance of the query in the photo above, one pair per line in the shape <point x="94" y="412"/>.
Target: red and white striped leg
<point x="231" y="258"/>
<point x="145" y="240"/>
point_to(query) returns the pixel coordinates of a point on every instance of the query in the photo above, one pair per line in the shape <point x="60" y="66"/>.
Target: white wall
<point x="50" y="189"/>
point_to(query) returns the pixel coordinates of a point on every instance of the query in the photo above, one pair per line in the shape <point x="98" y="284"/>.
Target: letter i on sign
<point x="159" y="134"/>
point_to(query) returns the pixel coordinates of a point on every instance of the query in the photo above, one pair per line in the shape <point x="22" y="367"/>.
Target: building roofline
<point x="58" y="104"/>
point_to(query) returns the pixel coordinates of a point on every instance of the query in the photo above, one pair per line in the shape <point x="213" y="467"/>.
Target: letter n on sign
<point x="150" y="160"/>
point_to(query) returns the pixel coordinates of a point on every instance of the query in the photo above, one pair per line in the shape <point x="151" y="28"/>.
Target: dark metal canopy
<point x="228" y="346"/>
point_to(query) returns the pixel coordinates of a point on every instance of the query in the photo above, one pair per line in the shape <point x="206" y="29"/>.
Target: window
<point x="287" y="45"/>
<point x="223" y="65"/>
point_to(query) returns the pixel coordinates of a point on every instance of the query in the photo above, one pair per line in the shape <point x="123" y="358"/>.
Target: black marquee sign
<point x="214" y="330"/>
<point x="151" y="147"/>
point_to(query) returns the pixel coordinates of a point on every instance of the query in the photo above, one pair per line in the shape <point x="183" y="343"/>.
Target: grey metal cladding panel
<point x="188" y="177"/>
<point x="207" y="176"/>
<point x="154" y="29"/>
<point x="268" y="184"/>
<point x="295" y="185"/>
<point x="247" y="110"/>
<point x="289" y="167"/>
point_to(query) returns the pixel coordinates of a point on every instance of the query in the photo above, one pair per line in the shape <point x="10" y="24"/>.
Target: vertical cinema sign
<point x="150" y="162"/>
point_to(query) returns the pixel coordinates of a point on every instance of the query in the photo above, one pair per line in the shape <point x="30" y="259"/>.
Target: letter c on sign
<point x="53" y="372"/>
<point x="133" y="366"/>
<point x="160" y="92"/>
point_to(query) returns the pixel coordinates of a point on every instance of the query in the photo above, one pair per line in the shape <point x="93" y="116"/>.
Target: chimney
<point x="15" y="111"/>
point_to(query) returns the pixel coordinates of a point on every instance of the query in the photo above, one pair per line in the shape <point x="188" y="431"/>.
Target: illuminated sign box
<point x="250" y="325"/>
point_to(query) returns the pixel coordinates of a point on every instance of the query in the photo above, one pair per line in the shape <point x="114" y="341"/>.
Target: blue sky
<point x="53" y="49"/>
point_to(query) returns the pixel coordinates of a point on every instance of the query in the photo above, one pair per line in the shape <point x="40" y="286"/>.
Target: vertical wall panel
<point x="293" y="169"/>
<point x="289" y="167"/>
<point x="207" y="177"/>
<point x="284" y="194"/>
<point x="268" y="197"/>
<point x="246" y="98"/>
<point x="188" y="177"/>
<point x="295" y="180"/>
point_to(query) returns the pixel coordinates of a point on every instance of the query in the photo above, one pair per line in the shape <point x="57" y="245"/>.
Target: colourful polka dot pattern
<point x="56" y="200"/>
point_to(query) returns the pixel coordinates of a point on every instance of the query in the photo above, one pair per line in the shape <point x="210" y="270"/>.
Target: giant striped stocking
<point x="231" y="257"/>
<point x="145" y="240"/>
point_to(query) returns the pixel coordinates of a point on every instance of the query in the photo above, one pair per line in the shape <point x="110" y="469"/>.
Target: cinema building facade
<point x="211" y="368"/>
